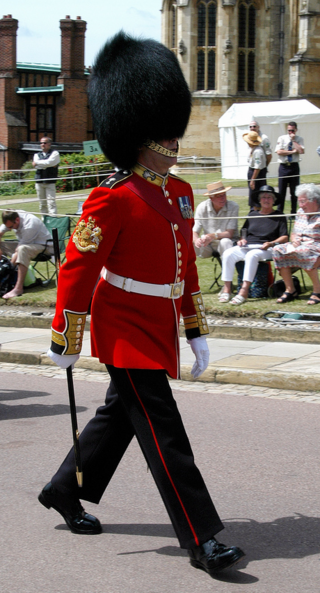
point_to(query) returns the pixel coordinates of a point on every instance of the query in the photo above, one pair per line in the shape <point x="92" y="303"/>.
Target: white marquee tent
<point x="273" y="117"/>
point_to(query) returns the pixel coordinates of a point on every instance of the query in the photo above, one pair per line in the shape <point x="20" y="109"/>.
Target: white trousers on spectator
<point x="251" y="257"/>
<point x="46" y="193"/>
<point x="220" y="246"/>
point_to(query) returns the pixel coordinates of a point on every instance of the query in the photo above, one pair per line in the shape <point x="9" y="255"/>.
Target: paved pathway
<point x="260" y="459"/>
<point x="290" y="366"/>
<point x="82" y="374"/>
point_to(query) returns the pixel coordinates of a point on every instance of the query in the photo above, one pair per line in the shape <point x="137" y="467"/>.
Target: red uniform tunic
<point x="140" y="234"/>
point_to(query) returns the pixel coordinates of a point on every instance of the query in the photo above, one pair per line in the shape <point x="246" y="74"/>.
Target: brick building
<point x="38" y="99"/>
<point x="241" y="51"/>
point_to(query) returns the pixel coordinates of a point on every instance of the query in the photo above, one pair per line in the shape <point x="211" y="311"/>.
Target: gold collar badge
<point x="87" y="236"/>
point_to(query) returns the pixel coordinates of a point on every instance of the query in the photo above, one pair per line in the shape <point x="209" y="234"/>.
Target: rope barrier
<point x="38" y="214"/>
<point x="71" y="166"/>
<point x="244" y="217"/>
<point x="51" y="180"/>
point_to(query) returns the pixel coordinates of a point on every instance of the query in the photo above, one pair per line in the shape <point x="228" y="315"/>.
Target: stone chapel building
<point x="241" y="51"/>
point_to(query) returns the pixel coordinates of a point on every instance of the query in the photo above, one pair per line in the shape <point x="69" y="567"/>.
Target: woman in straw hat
<point x="257" y="171"/>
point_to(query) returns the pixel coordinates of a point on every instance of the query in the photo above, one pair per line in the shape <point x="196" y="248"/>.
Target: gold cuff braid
<point x="71" y="338"/>
<point x="199" y="320"/>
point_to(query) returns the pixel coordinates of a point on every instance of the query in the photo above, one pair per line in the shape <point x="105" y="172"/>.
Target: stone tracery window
<point x="206" y="44"/>
<point x="246" y="45"/>
<point x="173" y="26"/>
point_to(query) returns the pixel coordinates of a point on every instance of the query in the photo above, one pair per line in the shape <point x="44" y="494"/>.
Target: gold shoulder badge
<point x="87" y="236"/>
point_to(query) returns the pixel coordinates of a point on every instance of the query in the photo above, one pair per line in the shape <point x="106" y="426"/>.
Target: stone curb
<point x="260" y="378"/>
<point x="38" y="322"/>
<point x="219" y="330"/>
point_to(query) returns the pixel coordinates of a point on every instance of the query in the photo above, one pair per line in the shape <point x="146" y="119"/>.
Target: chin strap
<point x="160" y="149"/>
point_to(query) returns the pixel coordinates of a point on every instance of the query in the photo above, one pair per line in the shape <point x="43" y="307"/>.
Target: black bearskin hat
<point x="137" y="92"/>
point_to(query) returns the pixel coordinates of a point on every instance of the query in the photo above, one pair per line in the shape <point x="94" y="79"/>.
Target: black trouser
<point x="140" y="403"/>
<point x="289" y="175"/>
<point x="259" y="182"/>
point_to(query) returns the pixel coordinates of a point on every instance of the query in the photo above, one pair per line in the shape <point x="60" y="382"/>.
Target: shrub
<point x="76" y="171"/>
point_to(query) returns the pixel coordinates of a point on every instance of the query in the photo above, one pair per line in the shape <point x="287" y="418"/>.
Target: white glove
<point x="200" y="349"/>
<point x="63" y="361"/>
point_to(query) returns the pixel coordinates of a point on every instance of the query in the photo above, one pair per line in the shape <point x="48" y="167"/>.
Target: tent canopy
<point x="273" y="117"/>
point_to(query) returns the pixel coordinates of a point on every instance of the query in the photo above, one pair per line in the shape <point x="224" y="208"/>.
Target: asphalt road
<point x="259" y="457"/>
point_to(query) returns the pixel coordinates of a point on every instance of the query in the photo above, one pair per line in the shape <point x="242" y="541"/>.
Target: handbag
<point x="260" y="284"/>
<point x="277" y="289"/>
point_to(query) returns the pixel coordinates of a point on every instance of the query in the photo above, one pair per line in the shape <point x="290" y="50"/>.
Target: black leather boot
<point x="213" y="556"/>
<point x="71" y="510"/>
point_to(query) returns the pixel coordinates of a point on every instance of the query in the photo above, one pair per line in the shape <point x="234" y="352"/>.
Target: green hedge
<point x="70" y="178"/>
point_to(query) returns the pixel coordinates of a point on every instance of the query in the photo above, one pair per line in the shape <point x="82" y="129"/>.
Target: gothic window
<point x="246" y="45"/>
<point x="173" y="26"/>
<point x="206" y="44"/>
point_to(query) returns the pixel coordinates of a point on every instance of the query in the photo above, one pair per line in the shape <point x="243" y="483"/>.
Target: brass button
<point x="178" y="279"/>
<point x="77" y="347"/>
<point x="176" y="227"/>
<point x="179" y="246"/>
<point x="199" y="300"/>
<point x="167" y="194"/>
<point x="170" y="202"/>
<point x="79" y="320"/>
<point x="78" y="328"/>
<point x="179" y="254"/>
<point x="180" y="263"/>
<point x="205" y="327"/>
<point x="179" y="271"/>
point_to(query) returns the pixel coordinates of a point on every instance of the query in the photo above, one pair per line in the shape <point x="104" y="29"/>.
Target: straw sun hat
<point x="252" y="138"/>
<point x="216" y="188"/>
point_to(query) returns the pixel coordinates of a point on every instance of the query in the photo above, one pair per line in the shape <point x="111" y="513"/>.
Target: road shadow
<point x="292" y="537"/>
<point x="34" y="410"/>
<point x="13" y="394"/>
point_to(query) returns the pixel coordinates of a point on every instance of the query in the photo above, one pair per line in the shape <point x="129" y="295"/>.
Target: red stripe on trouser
<point x="163" y="461"/>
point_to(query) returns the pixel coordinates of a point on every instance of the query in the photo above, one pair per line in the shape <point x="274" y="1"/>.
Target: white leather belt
<point x="166" y="291"/>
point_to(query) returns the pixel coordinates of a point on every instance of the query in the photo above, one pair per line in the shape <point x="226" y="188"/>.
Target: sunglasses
<point x="252" y="127"/>
<point x="291" y="130"/>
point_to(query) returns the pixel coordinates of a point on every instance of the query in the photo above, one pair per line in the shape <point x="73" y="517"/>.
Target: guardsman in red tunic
<point x="135" y="232"/>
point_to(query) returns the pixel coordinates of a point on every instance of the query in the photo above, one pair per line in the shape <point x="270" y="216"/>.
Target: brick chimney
<point x="72" y="106"/>
<point x="72" y="47"/>
<point x="8" y="43"/>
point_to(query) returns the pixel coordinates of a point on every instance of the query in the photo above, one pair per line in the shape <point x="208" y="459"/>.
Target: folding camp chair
<point x="62" y="224"/>
<point x="217" y="265"/>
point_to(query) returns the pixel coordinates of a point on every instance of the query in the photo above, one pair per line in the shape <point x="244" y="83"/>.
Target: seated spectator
<point x="217" y="219"/>
<point x="32" y="238"/>
<point x="260" y="233"/>
<point x="303" y="251"/>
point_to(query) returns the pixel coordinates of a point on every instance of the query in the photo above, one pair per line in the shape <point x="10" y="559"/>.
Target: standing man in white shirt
<point x="265" y="142"/>
<point x="46" y="164"/>
<point x="289" y="148"/>
<point x="32" y="237"/>
<point x="217" y="219"/>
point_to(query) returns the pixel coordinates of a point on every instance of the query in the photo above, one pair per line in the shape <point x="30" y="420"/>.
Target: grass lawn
<point x="68" y="203"/>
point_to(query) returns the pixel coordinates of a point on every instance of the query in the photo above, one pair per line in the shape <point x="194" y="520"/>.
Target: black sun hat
<point x="266" y="189"/>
